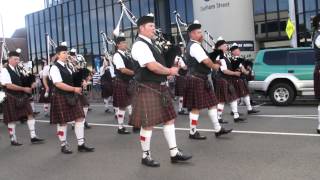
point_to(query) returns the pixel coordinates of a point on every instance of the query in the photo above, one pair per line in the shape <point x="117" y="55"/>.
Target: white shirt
<point x="5" y="76"/>
<point x="55" y="72"/>
<point x="197" y="52"/>
<point x="317" y="42"/>
<point x="96" y="79"/>
<point x="117" y="60"/>
<point x="141" y="52"/>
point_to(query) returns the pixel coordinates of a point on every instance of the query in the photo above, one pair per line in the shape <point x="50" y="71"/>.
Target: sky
<point x="13" y="13"/>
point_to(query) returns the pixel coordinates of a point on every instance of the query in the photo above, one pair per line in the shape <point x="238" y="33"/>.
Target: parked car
<point x="283" y="74"/>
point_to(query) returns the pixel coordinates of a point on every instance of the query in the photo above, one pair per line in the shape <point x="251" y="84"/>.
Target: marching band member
<point x="199" y="93"/>
<point x="107" y="76"/>
<point x="17" y="104"/>
<point x="65" y="104"/>
<point x="152" y="104"/>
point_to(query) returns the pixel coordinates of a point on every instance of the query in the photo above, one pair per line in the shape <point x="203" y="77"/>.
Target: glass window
<point x="37" y="37"/>
<point x="92" y="4"/>
<point x="59" y="11"/>
<point x="308" y="20"/>
<point x="86" y="26"/>
<point x="93" y="22"/>
<point x="46" y="14"/>
<point x="95" y="49"/>
<point x="71" y="8"/>
<point x="60" y="34"/>
<point x="283" y="5"/>
<point x="84" y="5"/>
<point x="144" y="7"/>
<point x="52" y="13"/>
<point x="181" y="8"/>
<point x="273" y="26"/>
<point x="300" y="6"/>
<point x="126" y="21"/>
<point x="109" y="19"/>
<point x="66" y="29"/>
<point x="117" y="13"/>
<point x="309" y="5"/>
<point x="79" y="29"/>
<point x="189" y="11"/>
<point x="100" y="3"/>
<point x="54" y="31"/>
<point x="87" y="49"/>
<point x="78" y="6"/>
<point x="72" y="28"/>
<point x="43" y="37"/>
<point x="48" y="27"/>
<point x="41" y="13"/>
<point x="31" y="39"/>
<point x="135" y="7"/>
<point x="258" y="6"/>
<point x="108" y="2"/>
<point x="65" y="9"/>
<point x="271" y="6"/>
<point x="36" y="18"/>
<point x="101" y="20"/>
<point x="301" y="57"/>
<point x="275" y="57"/>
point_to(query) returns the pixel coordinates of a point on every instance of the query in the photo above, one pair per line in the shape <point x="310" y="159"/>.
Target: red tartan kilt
<point x="180" y="86"/>
<point x="107" y="89"/>
<point x="147" y="107"/>
<point x="316" y="81"/>
<point x="222" y="91"/>
<point x="11" y="113"/>
<point x="43" y="99"/>
<point x="120" y="96"/>
<point x="84" y="101"/>
<point x="240" y="87"/>
<point x="197" y="96"/>
<point x="61" y="112"/>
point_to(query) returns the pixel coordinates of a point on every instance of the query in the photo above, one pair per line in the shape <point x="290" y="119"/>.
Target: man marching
<point x="124" y="70"/>
<point x="65" y="105"/>
<point x="152" y="103"/>
<point x="199" y="93"/>
<point x="16" y="105"/>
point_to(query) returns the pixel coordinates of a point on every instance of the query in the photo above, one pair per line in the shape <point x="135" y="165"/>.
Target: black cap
<point x="72" y="53"/>
<point x="195" y="25"/>
<point x="61" y="48"/>
<point x="119" y="39"/>
<point x="233" y="47"/>
<point x="17" y="53"/>
<point x="220" y="42"/>
<point x="145" y="19"/>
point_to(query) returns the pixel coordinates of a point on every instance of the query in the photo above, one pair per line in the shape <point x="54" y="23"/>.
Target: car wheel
<point x="282" y="94"/>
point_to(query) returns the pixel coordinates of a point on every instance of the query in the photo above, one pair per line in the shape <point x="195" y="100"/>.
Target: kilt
<point x="43" y="99"/>
<point x="84" y="100"/>
<point x="148" y="108"/>
<point x="106" y="88"/>
<point x="197" y="95"/>
<point x="316" y="81"/>
<point x="225" y="90"/>
<point x="240" y="86"/>
<point x="11" y="113"/>
<point x="61" y="112"/>
<point x="121" y="98"/>
<point x="180" y="85"/>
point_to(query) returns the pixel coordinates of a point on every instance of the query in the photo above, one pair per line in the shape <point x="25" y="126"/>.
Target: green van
<point x="282" y="74"/>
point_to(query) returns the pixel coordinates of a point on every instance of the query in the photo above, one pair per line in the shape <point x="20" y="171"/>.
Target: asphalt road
<point x="278" y="143"/>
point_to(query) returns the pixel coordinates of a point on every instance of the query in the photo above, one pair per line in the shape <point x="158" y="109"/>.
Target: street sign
<point x="290" y="28"/>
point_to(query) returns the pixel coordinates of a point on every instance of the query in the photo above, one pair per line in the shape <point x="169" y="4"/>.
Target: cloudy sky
<point x="13" y="12"/>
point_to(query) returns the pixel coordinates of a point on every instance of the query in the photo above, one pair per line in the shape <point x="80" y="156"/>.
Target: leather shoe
<point x="183" y="112"/>
<point x="123" y="131"/>
<point x="238" y="120"/>
<point x="253" y="111"/>
<point x="318" y="131"/>
<point x="197" y="136"/>
<point x="15" y="143"/>
<point x="135" y="130"/>
<point x="180" y="157"/>
<point x="37" y="140"/>
<point x="66" y="149"/>
<point x="231" y="113"/>
<point x="84" y="148"/>
<point x="221" y="121"/>
<point x="148" y="161"/>
<point x="86" y="125"/>
<point x="223" y="131"/>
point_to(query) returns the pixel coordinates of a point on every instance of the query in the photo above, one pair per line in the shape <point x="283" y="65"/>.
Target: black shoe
<point x="72" y="126"/>
<point x="15" y="143"/>
<point x="86" y="125"/>
<point x="231" y="113"/>
<point x="66" y="149"/>
<point x="123" y="131"/>
<point x="37" y="140"/>
<point x="107" y="111"/>
<point x="89" y="109"/>
<point x="180" y="157"/>
<point x="222" y="132"/>
<point x="148" y="161"/>
<point x="183" y="112"/>
<point x="318" y="131"/>
<point x="84" y="148"/>
<point x="253" y="111"/>
<point x="238" y="120"/>
<point x="197" y="136"/>
<point x="221" y="121"/>
<point x="135" y="130"/>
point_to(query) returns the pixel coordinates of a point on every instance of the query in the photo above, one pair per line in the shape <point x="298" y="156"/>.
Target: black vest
<point x="129" y="64"/>
<point x="15" y="79"/>
<point x="194" y="66"/>
<point x="229" y="67"/>
<point x="66" y="76"/>
<point x="316" y="49"/>
<point x="143" y="73"/>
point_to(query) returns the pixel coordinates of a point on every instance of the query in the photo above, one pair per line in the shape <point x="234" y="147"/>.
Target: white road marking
<point x="294" y="116"/>
<point x="210" y="130"/>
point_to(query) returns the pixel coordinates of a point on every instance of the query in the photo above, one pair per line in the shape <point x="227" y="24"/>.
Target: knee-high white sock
<point x="319" y="116"/>
<point x="213" y="115"/>
<point x="120" y="118"/>
<point x="32" y="106"/>
<point x="247" y="102"/>
<point x="31" y="124"/>
<point x="193" y="122"/>
<point x="129" y="109"/>
<point x="79" y="131"/>
<point x="85" y="110"/>
<point x="145" y="139"/>
<point x="234" y="108"/>
<point x="169" y="132"/>
<point x="12" y="131"/>
<point x="116" y="110"/>
<point x="62" y="134"/>
<point x="106" y="102"/>
<point x="180" y="103"/>
<point x="220" y="110"/>
<point x="46" y="107"/>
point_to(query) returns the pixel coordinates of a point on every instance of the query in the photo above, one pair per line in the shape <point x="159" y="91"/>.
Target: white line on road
<point x="210" y="130"/>
<point x="295" y="116"/>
